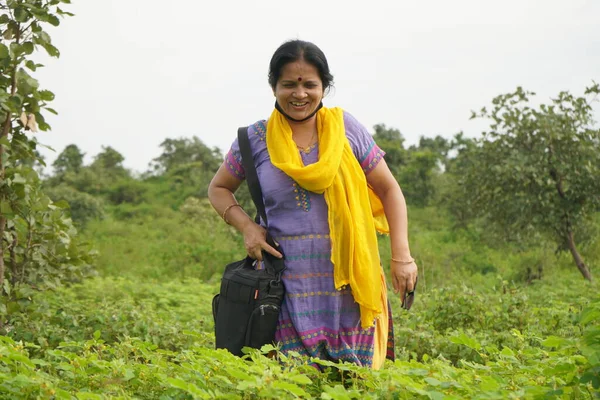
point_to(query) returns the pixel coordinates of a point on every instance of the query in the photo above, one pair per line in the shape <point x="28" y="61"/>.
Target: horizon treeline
<point x="530" y="179"/>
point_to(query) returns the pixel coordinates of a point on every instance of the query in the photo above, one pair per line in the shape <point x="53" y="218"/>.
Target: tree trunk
<point x="578" y="260"/>
<point x="2" y="224"/>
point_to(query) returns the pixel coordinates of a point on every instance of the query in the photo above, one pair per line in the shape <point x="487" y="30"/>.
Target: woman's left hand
<point x="404" y="277"/>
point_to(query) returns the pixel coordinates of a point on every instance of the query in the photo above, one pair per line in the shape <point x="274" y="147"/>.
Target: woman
<point x="326" y="189"/>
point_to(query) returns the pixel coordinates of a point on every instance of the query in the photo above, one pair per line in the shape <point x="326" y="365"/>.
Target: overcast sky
<point x="134" y="72"/>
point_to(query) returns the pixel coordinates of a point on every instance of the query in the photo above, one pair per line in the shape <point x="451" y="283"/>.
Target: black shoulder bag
<point x="246" y="310"/>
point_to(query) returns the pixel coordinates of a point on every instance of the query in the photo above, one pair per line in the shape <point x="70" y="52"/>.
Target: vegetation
<point x="500" y="313"/>
<point x="39" y="247"/>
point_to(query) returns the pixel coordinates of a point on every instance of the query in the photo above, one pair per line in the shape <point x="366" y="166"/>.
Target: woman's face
<point x="299" y="89"/>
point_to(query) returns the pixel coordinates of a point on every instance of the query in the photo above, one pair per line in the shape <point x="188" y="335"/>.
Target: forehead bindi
<point x="300" y="71"/>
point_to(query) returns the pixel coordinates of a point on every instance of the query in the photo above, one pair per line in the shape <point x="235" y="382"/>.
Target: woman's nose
<point x="300" y="93"/>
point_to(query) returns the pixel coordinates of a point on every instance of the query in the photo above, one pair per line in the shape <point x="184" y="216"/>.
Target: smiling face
<point x="299" y="89"/>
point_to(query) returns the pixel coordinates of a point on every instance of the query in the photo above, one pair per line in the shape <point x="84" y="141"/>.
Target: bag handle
<point x="256" y="192"/>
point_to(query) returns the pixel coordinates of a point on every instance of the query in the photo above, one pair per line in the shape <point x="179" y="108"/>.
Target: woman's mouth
<point x="298" y="105"/>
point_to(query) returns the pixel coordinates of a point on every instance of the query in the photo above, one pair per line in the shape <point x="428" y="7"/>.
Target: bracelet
<point x="404" y="261"/>
<point x="224" y="216"/>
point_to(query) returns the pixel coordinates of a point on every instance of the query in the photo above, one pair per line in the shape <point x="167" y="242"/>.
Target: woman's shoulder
<point x="258" y="130"/>
<point x="354" y="128"/>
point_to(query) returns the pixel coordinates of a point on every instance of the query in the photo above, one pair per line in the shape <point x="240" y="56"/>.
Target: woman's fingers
<point x="256" y="251"/>
<point x="272" y="250"/>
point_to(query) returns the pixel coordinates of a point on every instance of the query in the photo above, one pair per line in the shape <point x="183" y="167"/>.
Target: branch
<point x="13" y="257"/>
<point x="13" y="90"/>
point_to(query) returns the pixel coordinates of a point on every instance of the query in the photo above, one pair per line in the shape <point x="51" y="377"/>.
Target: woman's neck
<point x="304" y="133"/>
<point x="304" y="127"/>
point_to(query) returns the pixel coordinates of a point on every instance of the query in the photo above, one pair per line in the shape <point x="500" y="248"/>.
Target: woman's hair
<point x="295" y="50"/>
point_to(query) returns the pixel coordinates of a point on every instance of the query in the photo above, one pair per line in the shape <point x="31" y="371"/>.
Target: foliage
<point x="160" y="243"/>
<point x="417" y="177"/>
<point x="116" y="337"/>
<point x="83" y="207"/>
<point x="391" y="141"/>
<point x="39" y="247"/>
<point x="69" y="160"/>
<point x="536" y="169"/>
<point x="183" y="151"/>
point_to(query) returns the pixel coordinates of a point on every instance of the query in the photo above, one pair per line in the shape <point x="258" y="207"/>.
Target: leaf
<point x="31" y="65"/>
<point x="61" y="204"/>
<point x="553" y="341"/>
<point x="21" y="15"/>
<point x="302" y="379"/>
<point x="178" y="383"/>
<point x="88" y="396"/>
<point x="7" y="285"/>
<point x="31" y="123"/>
<point x="129" y="374"/>
<point x="8" y="33"/>
<point x="53" y="20"/>
<point x="6" y="209"/>
<point x="465" y="340"/>
<point x="588" y="315"/>
<point x="290" y="387"/>
<point x="18" y="178"/>
<point x="51" y="50"/>
<point x="241" y="375"/>
<point x="4" y="53"/>
<point x="507" y="352"/>
<point x="28" y="47"/>
<point x="432" y="381"/>
<point x="46" y="95"/>
<point x="23" y="118"/>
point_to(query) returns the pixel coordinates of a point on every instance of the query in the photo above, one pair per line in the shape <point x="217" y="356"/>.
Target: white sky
<point x="134" y="72"/>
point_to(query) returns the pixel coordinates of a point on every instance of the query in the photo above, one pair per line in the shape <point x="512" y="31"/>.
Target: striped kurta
<point x="316" y="319"/>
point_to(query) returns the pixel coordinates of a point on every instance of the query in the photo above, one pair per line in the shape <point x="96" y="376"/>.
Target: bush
<point x="83" y="207"/>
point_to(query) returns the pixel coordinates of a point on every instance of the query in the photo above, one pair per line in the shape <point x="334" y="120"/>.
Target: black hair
<point x="294" y="50"/>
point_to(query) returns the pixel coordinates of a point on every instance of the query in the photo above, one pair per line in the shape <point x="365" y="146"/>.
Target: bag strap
<point x="251" y="175"/>
<point x="271" y="262"/>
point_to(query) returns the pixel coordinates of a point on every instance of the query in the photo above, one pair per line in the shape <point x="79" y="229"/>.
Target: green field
<point x="143" y="327"/>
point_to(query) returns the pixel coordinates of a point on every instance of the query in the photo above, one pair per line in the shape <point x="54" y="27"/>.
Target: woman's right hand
<point x="255" y="240"/>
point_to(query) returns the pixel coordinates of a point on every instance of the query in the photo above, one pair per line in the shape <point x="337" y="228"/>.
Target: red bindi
<point x="299" y="79"/>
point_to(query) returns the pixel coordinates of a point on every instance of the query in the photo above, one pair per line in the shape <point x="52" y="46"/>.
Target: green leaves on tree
<point x="536" y="170"/>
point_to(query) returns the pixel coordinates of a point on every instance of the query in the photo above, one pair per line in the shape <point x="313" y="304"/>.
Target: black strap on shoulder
<point x="251" y="175"/>
<point x="256" y="193"/>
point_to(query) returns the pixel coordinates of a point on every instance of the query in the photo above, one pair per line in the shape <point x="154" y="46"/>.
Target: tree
<point x="109" y="160"/>
<point x="69" y="160"/>
<point x="417" y="176"/>
<point x="537" y="169"/>
<point x="438" y="145"/>
<point x="177" y="152"/>
<point x="391" y="141"/>
<point x="451" y="194"/>
<point x="37" y="240"/>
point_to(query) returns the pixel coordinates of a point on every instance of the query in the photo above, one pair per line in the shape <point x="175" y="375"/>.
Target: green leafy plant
<point x="536" y="170"/>
<point x="38" y="243"/>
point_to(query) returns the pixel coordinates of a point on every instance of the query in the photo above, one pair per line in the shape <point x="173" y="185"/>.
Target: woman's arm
<point x="221" y="195"/>
<point x="404" y="273"/>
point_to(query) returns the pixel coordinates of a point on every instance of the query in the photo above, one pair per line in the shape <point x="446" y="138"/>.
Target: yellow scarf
<point x="355" y="211"/>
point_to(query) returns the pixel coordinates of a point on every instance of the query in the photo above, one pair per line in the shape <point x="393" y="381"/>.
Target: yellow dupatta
<point x="354" y="210"/>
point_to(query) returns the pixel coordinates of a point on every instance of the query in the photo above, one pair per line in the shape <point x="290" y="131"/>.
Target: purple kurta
<point x="316" y="319"/>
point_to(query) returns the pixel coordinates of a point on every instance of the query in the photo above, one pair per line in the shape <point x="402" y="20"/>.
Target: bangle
<point x="411" y="260"/>
<point x="227" y="209"/>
